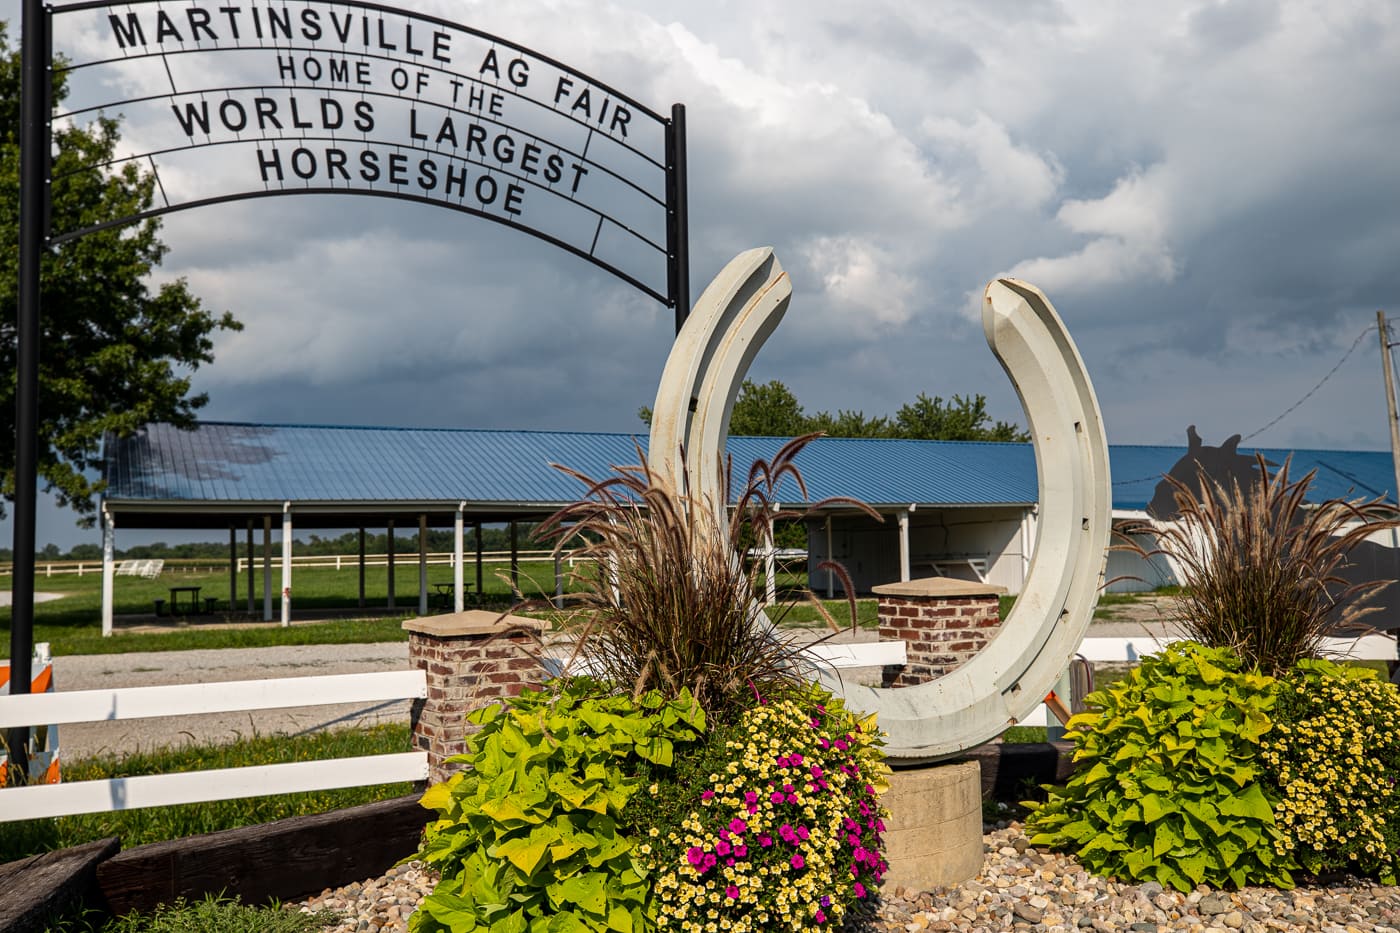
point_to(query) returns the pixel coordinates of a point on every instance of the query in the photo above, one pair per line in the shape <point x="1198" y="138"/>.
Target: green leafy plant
<point x="665" y="603"/>
<point x="1334" y="757"/>
<point x="774" y="825"/>
<point x="1169" y="784"/>
<point x="528" y="837"/>
<point x="1261" y="566"/>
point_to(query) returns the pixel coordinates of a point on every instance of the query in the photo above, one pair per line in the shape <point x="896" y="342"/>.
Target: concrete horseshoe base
<point x="934" y="833"/>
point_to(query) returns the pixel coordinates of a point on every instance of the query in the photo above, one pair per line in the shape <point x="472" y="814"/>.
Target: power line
<point x="1330" y="373"/>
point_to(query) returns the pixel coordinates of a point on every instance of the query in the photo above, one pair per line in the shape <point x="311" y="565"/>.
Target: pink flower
<point x="707" y="795"/>
<point x="820" y="917"/>
<point x="737" y="825"/>
<point x="797" y="861"/>
<point x="695" y="856"/>
<point x="802" y="833"/>
<point x="722" y="848"/>
<point x="731" y="892"/>
<point x="776" y="796"/>
<point x="859" y="889"/>
<point x="765" y="840"/>
<point x="741" y="851"/>
<point x="751" y="798"/>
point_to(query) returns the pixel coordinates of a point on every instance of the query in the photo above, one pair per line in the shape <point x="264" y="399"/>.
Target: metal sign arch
<point x="356" y="97"/>
<point x="600" y="195"/>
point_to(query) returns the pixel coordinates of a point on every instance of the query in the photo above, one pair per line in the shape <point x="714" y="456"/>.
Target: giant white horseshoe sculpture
<point x="1006" y="680"/>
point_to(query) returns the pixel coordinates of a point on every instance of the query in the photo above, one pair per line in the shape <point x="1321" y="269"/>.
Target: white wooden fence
<point x="23" y="803"/>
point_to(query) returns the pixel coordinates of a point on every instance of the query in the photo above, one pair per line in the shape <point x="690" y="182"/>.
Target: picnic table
<point x="193" y="592"/>
<point x="443" y="597"/>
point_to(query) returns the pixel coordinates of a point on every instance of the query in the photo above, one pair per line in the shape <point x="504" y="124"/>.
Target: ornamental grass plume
<point x="664" y="599"/>
<point x="1260" y="567"/>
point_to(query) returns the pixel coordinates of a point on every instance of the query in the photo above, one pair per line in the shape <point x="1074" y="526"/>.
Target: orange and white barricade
<point x="42" y="753"/>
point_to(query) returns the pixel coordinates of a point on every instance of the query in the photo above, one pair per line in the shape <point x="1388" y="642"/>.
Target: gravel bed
<point x="1020" y="888"/>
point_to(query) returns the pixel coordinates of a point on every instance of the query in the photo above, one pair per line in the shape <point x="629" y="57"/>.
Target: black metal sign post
<point x="677" y="216"/>
<point x="33" y="200"/>
<point x="337" y="97"/>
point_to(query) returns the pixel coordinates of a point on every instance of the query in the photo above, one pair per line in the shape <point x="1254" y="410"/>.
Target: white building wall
<point x="946" y="542"/>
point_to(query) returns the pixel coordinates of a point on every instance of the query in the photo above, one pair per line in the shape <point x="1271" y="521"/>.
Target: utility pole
<point x="1390" y="402"/>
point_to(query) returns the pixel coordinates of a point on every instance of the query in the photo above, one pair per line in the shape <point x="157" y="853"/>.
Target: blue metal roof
<point x="229" y="463"/>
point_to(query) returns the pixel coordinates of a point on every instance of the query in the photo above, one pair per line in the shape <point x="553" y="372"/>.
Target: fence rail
<point x="23" y="803"/>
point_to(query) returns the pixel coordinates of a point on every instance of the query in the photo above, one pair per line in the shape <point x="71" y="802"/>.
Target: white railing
<point x="23" y="803"/>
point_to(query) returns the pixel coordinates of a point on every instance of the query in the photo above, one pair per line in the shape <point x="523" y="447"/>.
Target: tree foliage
<point x="114" y="352"/>
<point x="772" y="410"/>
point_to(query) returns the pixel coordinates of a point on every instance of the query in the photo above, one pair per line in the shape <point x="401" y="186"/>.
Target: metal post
<point x="33" y="200"/>
<point x="267" y="568"/>
<point x="249" y="568"/>
<point x="514" y="562"/>
<point x="903" y="517"/>
<point x="1390" y="402"/>
<point x="422" y="565"/>
<point x="109" y="571"/>
<point x="391" y="564"/>
<point x="479" y="593"/>
<point x="362" y="566"/>
<point x="286" y="564"/>
<point x="458" y="597"/>
<point x="232" y="568"/>
<point x="677" y="216"/>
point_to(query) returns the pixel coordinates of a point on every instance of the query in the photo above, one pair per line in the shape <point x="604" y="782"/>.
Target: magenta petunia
<point x="820" y="916"/>
<point x="722" y="848"/>
<point x="737" y="825"/>
<point x="859" y="889"/>
<point x="797" y="861"/>
<point x="695" y="856"/>
<point x="731" y="892"/>
<point x="707" y="795"/>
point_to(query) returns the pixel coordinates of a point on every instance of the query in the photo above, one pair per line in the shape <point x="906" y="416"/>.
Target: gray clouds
<point x="1206" y="190"/>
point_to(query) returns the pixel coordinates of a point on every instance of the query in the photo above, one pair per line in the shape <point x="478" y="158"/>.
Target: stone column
<point x="943" y="623"/>
<point x="471" y="659"/>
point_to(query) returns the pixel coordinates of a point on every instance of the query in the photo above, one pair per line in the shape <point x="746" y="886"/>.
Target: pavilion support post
<point x="422" y="565"/>
<point x="458" y="597"/>
<point x="480" y="593"/>
<point x="514" y="562"/>
<point x="232" y="568"/>
<point x="558" y="581"/>
<point x="362" y="566"/>
<point x="830" y="556"/>
<point x="770" y="565"/>
<point x="109" y="570"/>
<point x="267" y="568"/>
<point x="251" y="596"/>
<point x="286" y="564"/>
<point x="904" y="575"/>
<point x="391" y="563"/>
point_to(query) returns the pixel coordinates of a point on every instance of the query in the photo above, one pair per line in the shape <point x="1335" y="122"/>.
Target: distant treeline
<point x="439" y="540"/>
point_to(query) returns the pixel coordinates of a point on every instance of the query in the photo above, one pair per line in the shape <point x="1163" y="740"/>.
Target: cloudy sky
<point x="1208" y="191"/>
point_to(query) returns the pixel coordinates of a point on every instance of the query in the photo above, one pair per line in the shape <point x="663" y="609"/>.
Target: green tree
<point x="114" y="354"/>
<point x="961" y="419"/>
<point x="768" y="410"/>
<point x="772" y="410"/>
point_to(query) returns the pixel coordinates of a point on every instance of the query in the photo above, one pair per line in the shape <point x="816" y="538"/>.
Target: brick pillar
<point x="943" y="622"/>
<point x="472" y="659"/>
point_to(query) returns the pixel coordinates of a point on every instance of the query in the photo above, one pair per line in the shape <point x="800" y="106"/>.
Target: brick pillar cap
<point x="938" y="587"/>
<point x="471" y="622"/>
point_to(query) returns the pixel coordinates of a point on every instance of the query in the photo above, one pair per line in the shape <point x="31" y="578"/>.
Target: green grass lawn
<point x="73" y="624"/>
